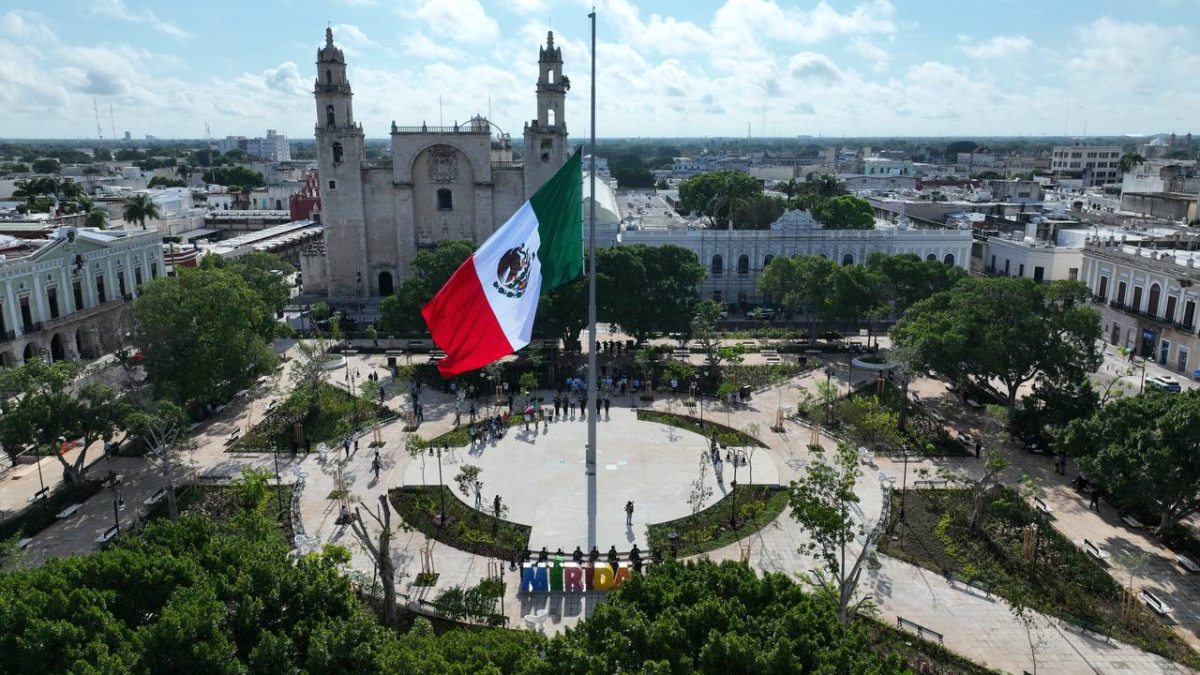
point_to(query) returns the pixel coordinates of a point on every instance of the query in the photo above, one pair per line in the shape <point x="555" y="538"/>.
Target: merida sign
<point x="573" y="578"/>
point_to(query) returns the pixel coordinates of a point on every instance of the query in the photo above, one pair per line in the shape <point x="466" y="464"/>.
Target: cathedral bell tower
<point x="339" y="160"/>
<point x="546" y="136"/>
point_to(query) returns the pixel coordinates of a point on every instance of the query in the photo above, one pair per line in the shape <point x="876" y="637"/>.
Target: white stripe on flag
<point x="514" y="314"/>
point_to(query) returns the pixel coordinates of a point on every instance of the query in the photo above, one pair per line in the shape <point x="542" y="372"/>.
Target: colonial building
<point x="68" y="297"/>
<point x="443" y="183"/>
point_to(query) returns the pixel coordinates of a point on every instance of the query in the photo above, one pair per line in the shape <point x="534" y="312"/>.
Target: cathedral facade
<point x="443" y="183"/>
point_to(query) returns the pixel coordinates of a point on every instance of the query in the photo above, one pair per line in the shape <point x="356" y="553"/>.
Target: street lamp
<point x="118" y="505"/>
<point x="904" y="488"/>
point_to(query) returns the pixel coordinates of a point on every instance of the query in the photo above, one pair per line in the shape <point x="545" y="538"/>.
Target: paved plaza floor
<point x="542" y="477"/>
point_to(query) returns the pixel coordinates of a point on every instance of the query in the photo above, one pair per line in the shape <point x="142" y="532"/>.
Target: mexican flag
<point x="486" y="310"/>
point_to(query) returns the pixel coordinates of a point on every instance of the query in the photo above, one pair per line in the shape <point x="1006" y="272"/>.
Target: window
<point x="1181" y="366"/>
<point x="77" y="288"/>
<point x="847" y="260"/>
<point x="931" y="257"/>
<point x="26" y="314"/>
<point x="3" y="328"/>
<point x="337" y="153"/>
<point x="1121" y="292"/>
<point x="1152" y="300"/>
<point x="1073" y="274"/>
<point x="445" y="200"/>
<point x="767" y="260"/>
<point x="153" y="270"/>
<point x="137" y="277"/>
<point x="716" y="296"/>
<point x="1169" y="312"/>
<point x="100" y="295"/>
<point x="328" y="76"/>
<point x="1103" y="292"/>
<point x="1021" y="270"/>
<point x="550" y="116"/>
<point x="329" y="120"/>
<point x="121" y="282"/>
<point x="993" y="265"/>
<point x="1039" y="273"/>
<point x="333" y="185"/>
<point x="743" y="264"/>
<point x="52" y="299"/>
<point x="741" y="298"/>
<point x="1189" y="313"/>
<point x="718" y="265"/>
<point x="949" y="260"/>
<point x="1137" y="298"/>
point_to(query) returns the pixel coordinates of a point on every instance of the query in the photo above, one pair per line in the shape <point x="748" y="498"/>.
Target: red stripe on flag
<point x="463" y="325"/>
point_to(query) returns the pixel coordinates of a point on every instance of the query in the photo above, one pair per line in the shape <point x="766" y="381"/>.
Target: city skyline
<point x="782" y="69"/>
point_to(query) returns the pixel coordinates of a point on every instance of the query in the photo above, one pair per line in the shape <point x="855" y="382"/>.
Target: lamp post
<point x="278" y="480"/>
<point x="118" y="505"/>
<point x="904" y="488"/>
<point x="42" y="483"/>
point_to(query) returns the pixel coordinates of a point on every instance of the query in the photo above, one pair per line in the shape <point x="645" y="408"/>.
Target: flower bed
<point x="336" y="415"/>
<point x="725" y="435"/>
<point x="465" y="528"/>
<point x="756" y="506"/>
<point x="1066" y="582"/>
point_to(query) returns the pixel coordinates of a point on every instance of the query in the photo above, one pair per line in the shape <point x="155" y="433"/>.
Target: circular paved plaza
<point x="541" y="476"/>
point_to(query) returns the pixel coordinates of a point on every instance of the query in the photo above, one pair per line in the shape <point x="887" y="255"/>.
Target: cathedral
<point x="443" y="183"/>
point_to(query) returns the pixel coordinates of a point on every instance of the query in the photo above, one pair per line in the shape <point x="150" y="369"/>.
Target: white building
<point x="69" y="297"/>
<point x="880" y="166"/>
<point x="735" y="259"/>
<point x="1090" y="164"/>
<point x="273" y="148"/>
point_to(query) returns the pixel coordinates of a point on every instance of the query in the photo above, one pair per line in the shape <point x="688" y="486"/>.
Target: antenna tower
<point x="96" y="109"/>
<point x="112" y="121"/>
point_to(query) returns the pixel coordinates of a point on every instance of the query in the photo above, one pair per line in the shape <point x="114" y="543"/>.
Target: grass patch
<point x="34" y="518"/>
<point x="425" y="579"/>
<point x="710" y="529"/>
<point x="336" y="415"/>
<point x="725" y="435"/>
<point x="461" y="437"/>
<point x="465" y="528"/>
<point x="923" y="656"/>
<point x="1066" y="582"/>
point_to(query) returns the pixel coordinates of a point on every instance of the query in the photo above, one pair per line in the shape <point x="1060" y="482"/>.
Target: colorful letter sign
<point x="573" y="578"/>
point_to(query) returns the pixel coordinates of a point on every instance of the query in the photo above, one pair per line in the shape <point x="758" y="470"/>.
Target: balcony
<point x="1117" y="304"/>
<point x="1185" y="328"/>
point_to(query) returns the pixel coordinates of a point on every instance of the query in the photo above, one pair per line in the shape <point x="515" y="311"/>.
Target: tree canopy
<point x="648" y="288"/>
<point x="910" y="279"/>
<point x="234" y="175"/>
<point x="1011" y="330"/>
<point x="846" y="212"/>
<point x="430" y="271"/>
<point x="1142" y="449"/>
<point x="204" y="335"/>
<point x="265" y="273"/>
<point x="727" y="188"/>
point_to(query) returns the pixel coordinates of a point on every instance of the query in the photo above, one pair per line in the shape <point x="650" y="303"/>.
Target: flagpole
<point x="593" y="384"/>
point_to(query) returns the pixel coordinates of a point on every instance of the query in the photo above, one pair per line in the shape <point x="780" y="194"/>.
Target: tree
<point x="1129" y="161"/>
<point x="1008" y="329"/>
<point x="430" y="271"/>
<point x="648" y="288"/>
<point x="1142" y="449"/>
<point x="101" y="155"/>
<point x="203" y="334"/>
<point x="466" y="477"/>
<point x="801" y="282"/>
<point x="731" y="197"/>
<point x="704" y="329"/>
<point x="701" y="491"/>
<point x="265" y="273"/>
<point x="162" y="426"/>
<point x="139" y="208"/>
<point x="476" y="604"/>
<point x="821" y="502"/>
<point x="39" y="406"/>
<point x="380" y="551"/>
<point x="562" y="313"/>
<point x="759" y="211"/>
<point x="160" y="181"/>
<point x="46" y="165"/>
<point x="846" y="213"/>
<point x="96" y="216"/>
<point x="633" y="178"/>
<point x="235" y="175"/>
<point x="697" y="193"/>
<point x="908" y="279"/>
<point x="789" y="187"/>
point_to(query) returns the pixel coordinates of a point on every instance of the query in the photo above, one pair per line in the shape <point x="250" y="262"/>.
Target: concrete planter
<point x="875" y="367"/>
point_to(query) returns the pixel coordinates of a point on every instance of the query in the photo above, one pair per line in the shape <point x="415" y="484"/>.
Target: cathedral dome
<point x="329" y="53"/>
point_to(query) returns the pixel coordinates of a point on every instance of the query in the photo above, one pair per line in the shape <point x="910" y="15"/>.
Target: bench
<point x="264" y="379"/>
<point x="1155" y="603"/>
<point x="931" y="483"/>
<point x="272" y="405"/>
<point x="69" y="511"/>
<point x="234" y="435"/>
<point x="1093" y="551"/>
<point x="977" y="584"/>
<point x="155" y="498"/>
<point x="1188" y="564"/>
<point x="38" y="495"/>
<point x="219" y="409"/>
<point x="1040" y="506"/>
<point x="973" y="403"/>
<point x="193" y="426"/>
<point x="24" y="543"/>
<point x="866" y="456"/>
<point x="921" y="631"/>
<point x="107" y="534"/>
<point x="241" y="393"/>
<point x="1132" y="521"/>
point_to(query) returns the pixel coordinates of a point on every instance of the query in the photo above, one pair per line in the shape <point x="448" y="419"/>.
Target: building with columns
<point x="69" y="297"/>
<point x="443" y="183"/>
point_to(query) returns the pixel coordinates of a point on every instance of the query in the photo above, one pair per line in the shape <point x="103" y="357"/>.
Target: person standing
<point x="607" y="401"/>
<point x="478" y="495"/>
<point x="375" y="466"/>
<point x="978" y="448"/>
<point x="472" y="411"/>
<point x="719" y="469"/>
<point x="496" y="506"/>
<point x="1094" y="504"/>
<point x="629" y="513"/>
<point x="346" y="447"/>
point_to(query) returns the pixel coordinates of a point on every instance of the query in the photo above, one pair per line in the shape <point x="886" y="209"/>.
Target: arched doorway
<point x="931" y="257"/>
<point x="949" y="259"/>
<point x="385" y="284"/>
<point x="718" y="265"/>
<point x="767" y="260"/>
<point x="1152" y="301"/>
<point x="29" y="353"/>
<point x="58" y="351"/>
<point x="743" y="264"/>
<point x="847" y="260"/>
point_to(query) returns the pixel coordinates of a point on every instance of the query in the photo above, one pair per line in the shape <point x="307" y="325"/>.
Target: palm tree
<point x="727" y="198"/>
<point x="789" y="187"/>
<point x="139" y="208"/>
<point x="96" y="216"/>
<point x="829" y="186"/>
<point x="184" y="171"/>
<point x="1128" y="161"/>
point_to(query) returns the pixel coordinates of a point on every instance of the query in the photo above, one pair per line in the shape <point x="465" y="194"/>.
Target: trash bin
<point x="745" y="392"/>
<point x="391" y="362"/>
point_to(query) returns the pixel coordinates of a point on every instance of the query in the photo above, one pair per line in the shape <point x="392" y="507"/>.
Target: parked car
<point x="764" y="313"/>
<point x="1165" y="383"/>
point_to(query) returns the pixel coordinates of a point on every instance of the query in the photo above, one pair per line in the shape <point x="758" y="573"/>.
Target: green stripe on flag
<point x="558" y="205"/>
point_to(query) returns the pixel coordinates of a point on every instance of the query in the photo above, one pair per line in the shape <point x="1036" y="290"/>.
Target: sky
<point x="666" y="68"/>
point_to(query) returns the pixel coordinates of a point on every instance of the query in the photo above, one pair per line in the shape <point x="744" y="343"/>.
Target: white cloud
<point x="118" y="10"/>
<point x="526" y="6"/>
<point x="822" y="22"/>
<point x="419" y="45"/>
<point x="461" y="20"/>
<point x="24" y="25"/>
<point x="351" y="39"/>
<point x="868" y="49"/>
<point x="813" y="67"/>
<point x="999" y="47"/>
<point x="1128" y="56"/>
